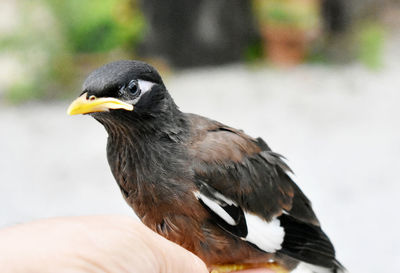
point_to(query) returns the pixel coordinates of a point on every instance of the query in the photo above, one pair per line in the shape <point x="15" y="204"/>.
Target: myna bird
<point x="223" y="195"/>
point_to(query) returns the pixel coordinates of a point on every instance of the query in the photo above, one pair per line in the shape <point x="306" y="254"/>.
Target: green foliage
<point x="58" y="41"/>
<point x="22" y="91"/>
<point x="254" y="52"/>
<point x="98" y="26"/>
<point x="288" y="13"/>
<point x="371" y="42"/>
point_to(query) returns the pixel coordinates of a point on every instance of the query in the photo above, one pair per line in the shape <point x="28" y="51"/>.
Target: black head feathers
<point x="113" y="75"/>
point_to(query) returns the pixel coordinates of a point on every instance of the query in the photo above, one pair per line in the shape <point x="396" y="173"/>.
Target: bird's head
<point x="128" y="88"/>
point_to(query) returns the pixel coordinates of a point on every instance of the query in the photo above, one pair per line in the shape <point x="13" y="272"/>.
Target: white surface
<point x="339" y="127"/>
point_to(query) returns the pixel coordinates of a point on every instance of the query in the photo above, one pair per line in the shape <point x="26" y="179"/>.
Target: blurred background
<point x="317" y="79"/>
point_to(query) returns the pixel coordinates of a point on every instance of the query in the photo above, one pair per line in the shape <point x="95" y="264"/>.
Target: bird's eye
<point x="133" y="88"/>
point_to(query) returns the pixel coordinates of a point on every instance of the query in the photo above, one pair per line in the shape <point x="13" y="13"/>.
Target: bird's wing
<point x="247" y="190"/>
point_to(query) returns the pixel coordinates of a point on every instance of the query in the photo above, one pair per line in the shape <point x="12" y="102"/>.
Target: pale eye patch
<point x="144" y="86"/>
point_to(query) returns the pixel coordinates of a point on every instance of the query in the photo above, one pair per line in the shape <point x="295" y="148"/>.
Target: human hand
<point x="111" y="244"/>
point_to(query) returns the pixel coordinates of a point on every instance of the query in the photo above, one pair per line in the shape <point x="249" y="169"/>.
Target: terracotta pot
<point x="285" y="46"/>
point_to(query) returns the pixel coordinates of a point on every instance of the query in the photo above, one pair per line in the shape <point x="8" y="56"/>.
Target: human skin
<point x="95" y="244"/>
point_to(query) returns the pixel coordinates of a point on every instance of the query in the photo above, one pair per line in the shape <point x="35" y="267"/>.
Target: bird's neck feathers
<point x="146" y="153"/>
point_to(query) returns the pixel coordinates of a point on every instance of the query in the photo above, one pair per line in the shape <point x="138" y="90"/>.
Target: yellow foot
<point x="226" y="268"/>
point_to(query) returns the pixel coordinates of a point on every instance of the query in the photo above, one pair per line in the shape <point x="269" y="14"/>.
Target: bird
<point x="211" y="188"/>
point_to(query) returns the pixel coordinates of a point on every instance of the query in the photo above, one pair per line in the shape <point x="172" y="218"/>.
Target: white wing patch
<point x="268" y="236"/>
<point x="215" y="207"/>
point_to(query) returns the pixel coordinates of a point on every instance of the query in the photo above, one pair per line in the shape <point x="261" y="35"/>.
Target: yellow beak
<point x="84" y="105"/>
